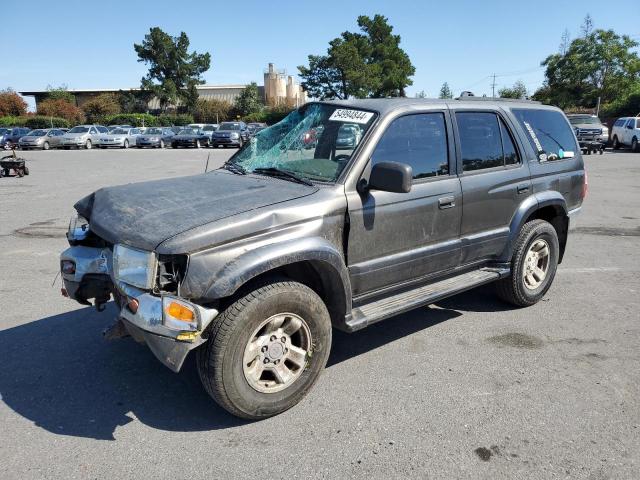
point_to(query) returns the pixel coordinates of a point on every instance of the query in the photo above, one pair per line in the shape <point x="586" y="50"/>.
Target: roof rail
<point x="493" y="99"/>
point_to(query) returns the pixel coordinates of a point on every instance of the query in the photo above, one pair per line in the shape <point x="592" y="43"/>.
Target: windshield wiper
<point x="235" y="168"/>
<point x="276" y="172"/>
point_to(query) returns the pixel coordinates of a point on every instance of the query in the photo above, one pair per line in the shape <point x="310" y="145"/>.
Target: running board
<point x="377" y="310"/>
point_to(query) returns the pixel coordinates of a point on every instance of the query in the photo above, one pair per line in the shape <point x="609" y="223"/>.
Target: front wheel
<point x="198" y="144"/>
<point x="88" y="145"/>
<point x="125" y="144"/>
<point x="533" y="265"/>
<point x="634" y="144"/>
<point x="266" y="350"/>
<point x="46" y="146"/>
<point x="161" y="143"/>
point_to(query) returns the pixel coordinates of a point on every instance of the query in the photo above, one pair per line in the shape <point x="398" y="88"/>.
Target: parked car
<point x="155" y="137"/>
<point x="82" y="136"/>
<point x="41" y="138"/>
<point x="210" y="128"/>
<point x="348" y="136"/>
<point x="196" y="126"/>
<point x="251" y="265"/>
<point x="255" y="127"/>
<point x="233" y="134"/>
<point x="9" y="137"/>
<point x="119" y="137"/>
<point x="190" y="137"/>
<point x="626" y="132"/>
<point x="589" y="126"/>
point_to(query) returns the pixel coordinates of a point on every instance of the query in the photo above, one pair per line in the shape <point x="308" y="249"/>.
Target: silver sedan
<point x="41" y="138"/>
<point x="119" y="137"/>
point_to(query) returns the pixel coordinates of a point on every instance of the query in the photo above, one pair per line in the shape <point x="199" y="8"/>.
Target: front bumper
<point x="93" y="270"/>
<point x="110" y="143"/>
<point x="226" y="141"/>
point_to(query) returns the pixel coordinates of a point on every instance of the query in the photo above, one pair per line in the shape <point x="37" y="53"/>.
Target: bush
<point x="11" y="104"/>
<point x="275" y="114"/>
<point x="133" y="119"/>
<point x="12" y="121"/>
<point x="38" y="121"/>
<point x="96" y="109"/>
<point x="169" y="120"/>
<point x="211" y="111"/>
<point x="260" y="116"/>
<point x="61" y="108"/>
<point x="624" y="106"/>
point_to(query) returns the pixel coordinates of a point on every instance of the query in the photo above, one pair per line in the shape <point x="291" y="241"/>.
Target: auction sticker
<point x="353" y="116"/>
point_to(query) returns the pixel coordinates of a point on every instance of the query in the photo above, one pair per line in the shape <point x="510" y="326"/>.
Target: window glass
<point x="548" y="132"/>
<point x="630" y="123"/>
<point x="508" y="147"/>
<point x="418" y="140"/>
<point x="103" y="129"/>
<point x="619" y="122"/>
<point x="638" y="123"/>
<point x="480" y="140"/>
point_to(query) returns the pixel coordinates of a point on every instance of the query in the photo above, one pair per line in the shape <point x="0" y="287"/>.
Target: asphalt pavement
<point x="467" y="388"/>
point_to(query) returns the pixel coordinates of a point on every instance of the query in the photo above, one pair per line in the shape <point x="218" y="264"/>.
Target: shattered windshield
<point x="314" y="142"/>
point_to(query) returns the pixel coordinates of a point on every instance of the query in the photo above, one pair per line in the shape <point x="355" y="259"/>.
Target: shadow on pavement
<point x="59" y="373"/>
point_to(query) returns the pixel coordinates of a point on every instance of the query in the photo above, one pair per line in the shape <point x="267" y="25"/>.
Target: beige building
<point x="279" y="89"/>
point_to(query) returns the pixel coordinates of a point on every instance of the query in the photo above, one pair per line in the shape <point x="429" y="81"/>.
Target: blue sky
<point x="90" y="44"/>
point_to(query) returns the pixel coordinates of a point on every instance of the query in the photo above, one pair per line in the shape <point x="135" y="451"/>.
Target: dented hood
<point x="143" y="215"/>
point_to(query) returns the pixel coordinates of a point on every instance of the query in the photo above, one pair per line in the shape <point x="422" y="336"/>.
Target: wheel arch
<point x="549" y="206"/>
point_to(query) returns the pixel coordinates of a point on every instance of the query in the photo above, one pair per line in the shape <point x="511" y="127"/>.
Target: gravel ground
<point x="466" y="388"/>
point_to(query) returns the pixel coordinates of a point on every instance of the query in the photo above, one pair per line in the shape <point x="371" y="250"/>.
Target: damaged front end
<point x="145" y="287"/>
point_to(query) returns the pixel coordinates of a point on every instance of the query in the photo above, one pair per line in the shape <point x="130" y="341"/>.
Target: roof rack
<point x="469" y="96"/>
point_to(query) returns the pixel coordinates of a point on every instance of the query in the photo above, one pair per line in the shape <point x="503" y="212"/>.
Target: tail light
<point x="585" y="186"/>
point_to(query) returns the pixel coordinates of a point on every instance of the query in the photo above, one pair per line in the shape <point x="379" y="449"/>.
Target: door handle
<point x="524" y="188"/>
<point x="446" y="202"/>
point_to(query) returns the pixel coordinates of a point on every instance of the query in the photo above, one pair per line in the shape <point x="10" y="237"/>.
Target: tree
<point x="445" y="91"/>
<point x="601" y="64"/>
<point x="421" y="94"/>
<point x="60" y="108"/>
<point x="11" y="104"/>
<point x="367" y="64"/>
<point x="97" y="108"/>
<point x="173" y="71"/>
<point x="134" y="101"/>
<point x="587" y="26"/>
<point x="212" y="111"/>
<point x="60" y="93"/>
<point x="519" y="90"/>
<point x="565" y="41"/>
<point x="248" y="101"/>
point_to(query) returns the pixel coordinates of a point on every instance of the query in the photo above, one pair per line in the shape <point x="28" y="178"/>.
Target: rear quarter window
<point x="548" y="132"/>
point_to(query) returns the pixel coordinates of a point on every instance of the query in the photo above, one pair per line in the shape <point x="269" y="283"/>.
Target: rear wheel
<point x="634" y="144"/>
<point x="533" y="265"/>
<point x="615" y="144"/>
<point x="266" y="350"/>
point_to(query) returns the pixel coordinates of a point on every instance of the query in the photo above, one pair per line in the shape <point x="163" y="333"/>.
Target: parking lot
<point x="467" y="388"/>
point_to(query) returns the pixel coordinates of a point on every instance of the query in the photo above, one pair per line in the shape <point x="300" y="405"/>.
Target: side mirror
<point x="391" y="177"/>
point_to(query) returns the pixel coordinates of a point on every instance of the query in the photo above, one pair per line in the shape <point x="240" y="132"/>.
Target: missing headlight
<point x="171" y="271"/>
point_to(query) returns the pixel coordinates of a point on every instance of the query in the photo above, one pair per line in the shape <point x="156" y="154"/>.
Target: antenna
<point x="207" y="165"/>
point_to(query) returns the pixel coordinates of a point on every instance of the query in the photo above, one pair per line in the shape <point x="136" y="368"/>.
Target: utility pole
<point x="493" y="86"/>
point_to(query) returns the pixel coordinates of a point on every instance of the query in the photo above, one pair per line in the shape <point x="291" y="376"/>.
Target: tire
<point x="634" y="145"/>
<point x="198" y="144"/>
<point x="515" y="289"/>
<point x="46" y="146"/>
<point x="26" y="170"/>
<point x="19" y="172"/>
<point x="125" y="144"/>
<point x="173" y="145"/>
<point x="161" y="143"/>
<point x="88" y="145"/>
<point x="221" y="363"/>
<point x="615" y="144"/>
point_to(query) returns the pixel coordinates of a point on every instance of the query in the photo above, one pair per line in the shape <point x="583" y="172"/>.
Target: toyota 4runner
<point x="251" y="265"/>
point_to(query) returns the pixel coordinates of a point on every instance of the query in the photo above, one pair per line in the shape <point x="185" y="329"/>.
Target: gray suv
<point x="252" y="265"/>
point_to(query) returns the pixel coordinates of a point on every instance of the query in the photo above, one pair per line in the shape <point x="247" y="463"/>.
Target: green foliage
<point x="367" y="64"/>
<point x="421" y="94"/>
<point x="101" y="106"/>
<point x="211" y="111"/>
<point x="59" y="107"/>
<point x="519" y="90"/>
<point x="60" y="93"/>
<point x="248" y="102"/>
<point x="445" y="91"/>
<point x="260" y="116"/>
<point x="134" y="101"/>
<point x="627" y="105"/>
<point x="169" y="120"/>
<point x="275" y="114"/>
<point x="12" y="121"/>
<point x="38" y="121"/>
<point x="173" y="72"/>
<point x="133" y="119"/>
<point x="11" y="103"/>
<point x="601" y="64"/>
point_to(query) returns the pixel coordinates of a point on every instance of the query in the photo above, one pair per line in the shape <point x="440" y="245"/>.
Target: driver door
<point x="395" y="238"/>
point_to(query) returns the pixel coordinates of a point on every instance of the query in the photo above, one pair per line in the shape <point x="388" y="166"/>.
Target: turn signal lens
<point x="180" y="312"/>
<point x="68" y="266"/>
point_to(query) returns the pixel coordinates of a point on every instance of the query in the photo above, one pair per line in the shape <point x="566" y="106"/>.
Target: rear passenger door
<point x="494" y="179"/>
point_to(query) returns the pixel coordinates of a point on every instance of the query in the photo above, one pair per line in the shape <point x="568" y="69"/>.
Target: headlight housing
<point x="134" y="267"/>
<point x="78" y="228"/>
<point x="235" y="135"/>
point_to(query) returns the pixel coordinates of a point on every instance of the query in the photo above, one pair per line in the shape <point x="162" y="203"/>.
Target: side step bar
<point x="377" y="310"/>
